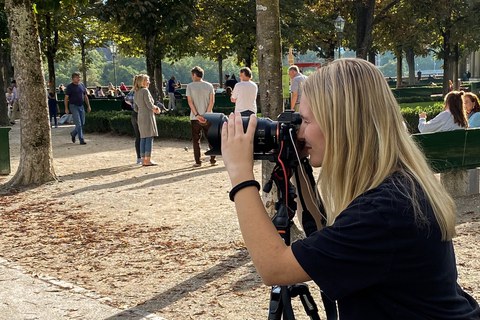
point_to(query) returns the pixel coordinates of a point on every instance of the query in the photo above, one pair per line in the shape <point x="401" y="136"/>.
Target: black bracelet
<point x="241" y="185"/>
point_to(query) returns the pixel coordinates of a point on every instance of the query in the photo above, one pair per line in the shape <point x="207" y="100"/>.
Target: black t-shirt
<point x="378" y="263"/>
<point x="230" y="83"/>
<point x="171" y="86"/>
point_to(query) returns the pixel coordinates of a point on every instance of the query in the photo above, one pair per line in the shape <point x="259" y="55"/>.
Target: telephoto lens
<point x="265" y="140"/>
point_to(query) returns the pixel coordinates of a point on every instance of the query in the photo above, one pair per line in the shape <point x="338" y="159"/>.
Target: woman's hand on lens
<point x="237" y="148"/>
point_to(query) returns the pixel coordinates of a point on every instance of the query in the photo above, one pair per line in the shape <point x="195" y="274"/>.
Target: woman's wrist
<point x="243" y="185"/>
<point x="241" y="177"/>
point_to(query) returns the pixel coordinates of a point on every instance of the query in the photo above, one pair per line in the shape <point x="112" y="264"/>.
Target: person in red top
<point x="123" y="87"/>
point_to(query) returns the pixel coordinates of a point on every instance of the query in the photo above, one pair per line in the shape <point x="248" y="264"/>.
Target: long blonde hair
<point x="138" y="81"/>
<point x="366" y="141"/>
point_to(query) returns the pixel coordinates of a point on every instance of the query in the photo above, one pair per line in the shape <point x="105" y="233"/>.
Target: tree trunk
<point x="7" y="66"/>
<point x="372" y="56"/>
<point x="249" y="58"/>
<point x="364" y="16"/>
<point x="456" y="57"/>
<point x="150" y="61"/>
<point x="4" y="120"/>
<point x="220" y="70"/>
<point x="159" y="79"/>
<point x="410" y="56"/>
<point x="36" y="159"/>
<point x="51" y="72"/>
<point x="399" y="56"/>
<point x="269" y="57"/>
<point x="447" y="61"/>
<point x="270" y="75"/>
<point x="83" y="55"/>
<point x="51" y="50"/>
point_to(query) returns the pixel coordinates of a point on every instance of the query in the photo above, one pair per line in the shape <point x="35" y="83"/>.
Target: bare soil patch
<point x="164" y="239"/>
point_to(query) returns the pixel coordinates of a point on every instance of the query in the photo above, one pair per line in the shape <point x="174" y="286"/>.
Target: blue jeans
<point x="146" y="145"/>
<point x="171" y="101"/>
<point x="78" y="115"/>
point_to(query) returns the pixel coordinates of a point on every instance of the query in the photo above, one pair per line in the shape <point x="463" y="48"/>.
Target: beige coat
<point x="147" y="123"/>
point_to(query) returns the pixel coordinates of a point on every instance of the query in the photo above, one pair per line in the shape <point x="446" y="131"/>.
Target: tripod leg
<point x="306" y="298"/>
<point x="287" y="303"/>
<point x="330" y="307"/>
<point x="280" y="304"/>
<point x="275" y="307"/>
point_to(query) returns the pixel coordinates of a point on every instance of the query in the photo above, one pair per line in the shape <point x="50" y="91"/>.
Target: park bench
<point x="455" y="155"/>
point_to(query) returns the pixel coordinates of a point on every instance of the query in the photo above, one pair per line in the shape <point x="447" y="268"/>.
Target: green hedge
<point x="120" y="122"/>
<point x="178" y="127"/>
<point x="410" y="114"/>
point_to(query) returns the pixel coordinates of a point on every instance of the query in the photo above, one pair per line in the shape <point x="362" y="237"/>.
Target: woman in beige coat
<point x="147" y="124"/>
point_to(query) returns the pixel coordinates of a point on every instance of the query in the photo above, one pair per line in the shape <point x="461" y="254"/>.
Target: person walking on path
<point x="147" y="124"/>
<point x="244" y="94"/>
<point x="201" y="97"/>
<point x="75" y="97"/>
<point x="297" y="80"/>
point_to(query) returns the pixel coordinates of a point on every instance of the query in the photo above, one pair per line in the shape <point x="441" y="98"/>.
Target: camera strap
<point x="308" y="221"/>
<point x="310" y="226"/>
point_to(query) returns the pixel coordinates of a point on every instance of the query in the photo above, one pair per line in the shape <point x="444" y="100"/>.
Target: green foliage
<point x="100" y="71"/>
<point x="98" y="121"/>
<point x="410" y="114"/>
<point x="174" y="127"/>
<point x="308" y="25"/>
<point x="119" y="122"/>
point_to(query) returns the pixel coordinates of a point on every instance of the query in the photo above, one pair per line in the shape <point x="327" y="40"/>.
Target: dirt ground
<point x="162" y="239"/>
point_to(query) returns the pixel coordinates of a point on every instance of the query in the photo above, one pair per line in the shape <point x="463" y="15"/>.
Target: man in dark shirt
<point x="171" y="93"/>
<point x="231" y="82"/>
<point x="75" y="97"/>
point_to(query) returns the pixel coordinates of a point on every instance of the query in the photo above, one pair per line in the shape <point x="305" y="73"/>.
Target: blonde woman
<point x="386" y="251"/>
<point x="147" y="123"/>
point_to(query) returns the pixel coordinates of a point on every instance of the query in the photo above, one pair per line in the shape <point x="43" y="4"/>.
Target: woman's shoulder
<point x="142" y="91"/>
<point x="392" y="195"/>
<point x="474" y="120"/>
<point x="476" y="115"/>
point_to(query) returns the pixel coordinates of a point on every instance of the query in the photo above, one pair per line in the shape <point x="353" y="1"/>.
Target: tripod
<point x="280" y="296"/>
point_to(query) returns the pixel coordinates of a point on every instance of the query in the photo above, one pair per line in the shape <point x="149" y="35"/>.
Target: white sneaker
<point x="139" y="161"/>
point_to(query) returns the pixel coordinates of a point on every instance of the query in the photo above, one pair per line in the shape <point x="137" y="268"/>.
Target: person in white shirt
<point x="453" y="117"/>
<point x="244" y="94"/>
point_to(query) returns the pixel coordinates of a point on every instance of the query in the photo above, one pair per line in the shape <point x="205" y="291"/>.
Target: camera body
<point x="273" y="141"/>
